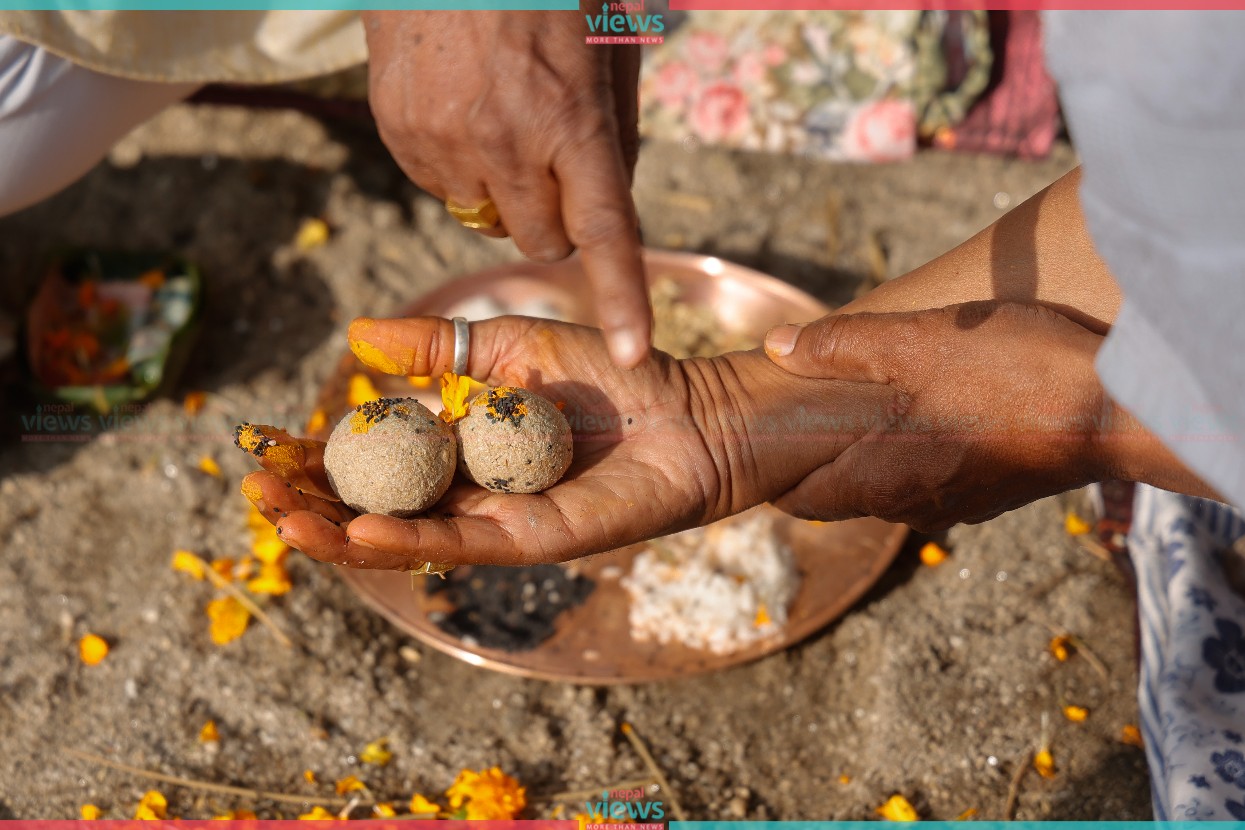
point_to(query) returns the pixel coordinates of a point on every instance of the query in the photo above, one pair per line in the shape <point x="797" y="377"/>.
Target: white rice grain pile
<point x="719" y="588"/>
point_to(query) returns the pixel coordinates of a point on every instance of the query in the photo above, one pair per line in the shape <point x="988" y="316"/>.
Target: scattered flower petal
<point x="193" y="402"/>
<point x="967" y="814"/>
<point x="376" y="753"/>
<point x="318" y="421"/>
<point x="311" y="234"/>
<point x="153" y="807"/>
<point x="845" y="779"/>
<point x="932" y="554"/>
<point x="488" y="795"/>
<point x="361" y="390"/>
<point x="1061" y="647"/>
<point x="421" y="806"/>
<point x="897" y="808"/>
<point x="349" y="784"/>
<point x="186" y="562"/>
<point x="236" y="815"/>
<point x="454" y="390"/>
<point x="229" y="619"/>
<point x="223" y="568"/>
<point x="209" y="734"/>
<point x="309" y="776"/>
<point x="92" y="649"/>
<point x="1076" y="714"/>
<point x="1044" y="763"/>
<point x="207" y="464"/>
<point x="318" y="813"/>
<point x="1075" y="525"/>
<point x="384" y="810"/>
<point x="273" y="580"/>
<point x="762" y="618"/>
<point x="90" y="812"/>
<point x="1131" y="735"/>
<point x="266" y="545"/>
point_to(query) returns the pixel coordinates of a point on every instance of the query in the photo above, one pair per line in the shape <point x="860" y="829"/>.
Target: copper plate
<point x="838" y="561"/>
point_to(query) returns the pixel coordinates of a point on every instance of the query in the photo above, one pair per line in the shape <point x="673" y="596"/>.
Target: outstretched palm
<point x="666" y="446"/>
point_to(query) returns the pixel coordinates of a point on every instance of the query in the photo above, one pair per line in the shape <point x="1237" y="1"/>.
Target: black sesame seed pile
<point x="511" y="609"/>
<point x="249" y="438"/>
<point x="378" y="410"/>
<point x="505" y="405"/>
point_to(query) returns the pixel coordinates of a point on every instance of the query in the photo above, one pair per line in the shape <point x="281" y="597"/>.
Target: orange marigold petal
<point x="207" y="464"/>
<point x="209" y="734"/>
<point x="318" y="813"/>
<point x="90" y="812"/>
<point x="92" y="649"/>
<point x="421" y="806"/>
<point x="1061" y="647"/>
<point x="193" y="402"/>
<point x="361" y="390"/>
<point x="1076" y="714"/>
<point x="932" y="554"/>
<point x="186" y="562"/>
<point x="1044" y="763"/>
<point x="349" y="784"/>
<point x="1075" y="525"/>
<point x="153" y="807"/>
<point x="376" y="753"/>
<point x="384" y="810"/>
<point x="897" y="808"/>
<point x="229" y="619"/>
<point x="1131" y="735"/>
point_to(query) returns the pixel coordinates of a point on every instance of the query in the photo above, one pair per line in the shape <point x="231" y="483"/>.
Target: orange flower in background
<point x="1061" y="647"/>
<point x="153" y="807"/>
<point x="318" y="813"/>
<point x="1044" y="763"/>
<point x="90" y="812"/>
<point x="897" y="808"/>
<point x="454" y="391"/>
<point x="193" y="402"/>
<point x="361" y="390"/>
<point x="207" y="464"/>
<point x="376" y="753"/>
<point x="1076" y="714"/>
<point x="1131" y="735"/>
<point x="186" y="562"/>
<point x="229" y="620"/>
<point x="92" y="649"/>
<point x="490" y="795"/>
<point x="421" y="806"/>
<point x="932" y="554"/>
<point x="349" y="784"/>
<point x="209" y="734"/>
<point x="318" y="420"/>
<point x="1075" y="525"/>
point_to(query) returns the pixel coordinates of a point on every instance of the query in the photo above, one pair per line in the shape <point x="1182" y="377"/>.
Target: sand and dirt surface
<point x="935" y="686"/>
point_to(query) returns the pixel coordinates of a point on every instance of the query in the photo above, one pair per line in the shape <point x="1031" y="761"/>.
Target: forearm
<point x="1040" y="252"/>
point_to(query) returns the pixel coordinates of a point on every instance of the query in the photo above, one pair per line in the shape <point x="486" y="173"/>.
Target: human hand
<point x="515" y="108"/>
<point x="993" y="405"/>
<point x="670" y="445"/>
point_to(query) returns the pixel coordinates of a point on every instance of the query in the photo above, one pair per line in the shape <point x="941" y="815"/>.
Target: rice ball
<point x="391" y="456"/>
<point x="513" y="441"/>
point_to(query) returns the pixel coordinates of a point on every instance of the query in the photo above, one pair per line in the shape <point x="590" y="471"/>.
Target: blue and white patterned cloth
<point x="1192" y="687"/>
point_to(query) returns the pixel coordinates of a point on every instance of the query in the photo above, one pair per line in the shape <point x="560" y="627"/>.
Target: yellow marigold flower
<point x="361" y="390"/>
<point x="273" y="580"/>
<point x="967" y="814"/>
<point x="376" y="753"/>
<point x="207" y="464"/>
<point x="318" y="813"/>
<point x="454" y="391"/>
<point x="186" y="562"/>
<point x="153" y="807"/>
<point x="1075" y="525"/>
<point x="419" y="382"/>
<point x="209" y="734"/>
<point x="1061" y="647"/>
<point x="312" y="233"/>
<point x="92" y="649"/>
<point x="1131" y="735"/>
<point x="932" y="554"/>
<point x="236" y="815"/>
<point x="90" y="812"/>
<point x="193" y="402"/>
<point x="1076" y="714"/>
<point x="349" y="784"/>
<point x="309" y="776"/>
<point x="897" y="808"/>
<point x="488" y="795"/>
<point x="384" y="810"/>
<point x="229" y="619"/>
<point x="421" y="806"/>
<point x="318" y="421"/>
<point x="1044" y="763"/>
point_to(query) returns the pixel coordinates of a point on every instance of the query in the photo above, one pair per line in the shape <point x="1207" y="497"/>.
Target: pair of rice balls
<point x="393" y="456"/>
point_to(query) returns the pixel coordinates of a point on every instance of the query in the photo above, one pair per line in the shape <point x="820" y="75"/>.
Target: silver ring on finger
<point x="462" y="345"/>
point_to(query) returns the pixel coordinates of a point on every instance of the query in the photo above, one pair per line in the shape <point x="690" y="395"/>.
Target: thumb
<point x="424" y="346"/>
<point x="856" y="347"/>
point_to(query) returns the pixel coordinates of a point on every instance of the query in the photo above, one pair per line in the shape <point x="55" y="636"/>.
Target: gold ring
<point x="481" y="217"/>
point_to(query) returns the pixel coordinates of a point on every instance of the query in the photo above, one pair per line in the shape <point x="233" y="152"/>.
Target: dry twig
<point x="1013" y="791"/>
<point x="660" y="777"/>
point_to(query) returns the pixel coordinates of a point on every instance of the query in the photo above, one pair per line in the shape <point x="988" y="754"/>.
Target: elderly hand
<point x="993" y="405"/>
<point x="658" y="449"/>
<point x="515" y="108"/>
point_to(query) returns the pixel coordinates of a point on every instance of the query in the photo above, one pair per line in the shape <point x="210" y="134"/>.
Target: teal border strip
<point x="271" y="5"/>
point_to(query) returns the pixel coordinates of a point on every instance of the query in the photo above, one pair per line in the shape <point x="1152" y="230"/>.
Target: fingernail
<point x="374" y="358"/>
<point x="626" y="349"/>
<point x="780" y="341"/>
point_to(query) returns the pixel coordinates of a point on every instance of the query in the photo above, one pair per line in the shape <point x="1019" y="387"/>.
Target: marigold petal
<point x="376" y="753"/>
<point x="967" y="814"/>
<point x="229" y="619"/>
<point x="384" y="810"/>
<point x="1044" y="763"/>
<point x="193" y="402"/>
<point x="153" y="806"/>
<point x="762" y="618"/>
<point x="92" y="649"/>
<point x="1076" y="714"/>
<point x="421" y="806"/>
<point x="1131" y="735"/>
<point x="236" y="815"/>
<point x="223" y="568"/>
<point x="1075" y="525"/>
<point x="318" y="813"/>
<point x="273" y="580"/>
<point x="318" y="421"/>
<point x="454" y="391"/>
<point x="90" y="812"/>
<point x="309" y="776"/>
<point x="312" y="233"/>
<point x="186" y="562"/>
<point x="207" y="464"/>
<point x="209" y="734"/>
<point x="361" y="390"/>
<point x="932" y="554"/>
<point x="897" y="808"/>
<point x="1061" y="647"/>
<point x="490" y="795"/>
<point x="349" y="784"/>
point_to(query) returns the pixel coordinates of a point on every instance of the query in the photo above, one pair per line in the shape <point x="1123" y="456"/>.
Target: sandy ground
<point x="935" y="686"/>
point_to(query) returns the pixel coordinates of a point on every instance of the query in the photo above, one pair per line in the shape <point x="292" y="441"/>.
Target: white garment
<point x="57" y="119"/>
<point x="1153" y="102"/>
